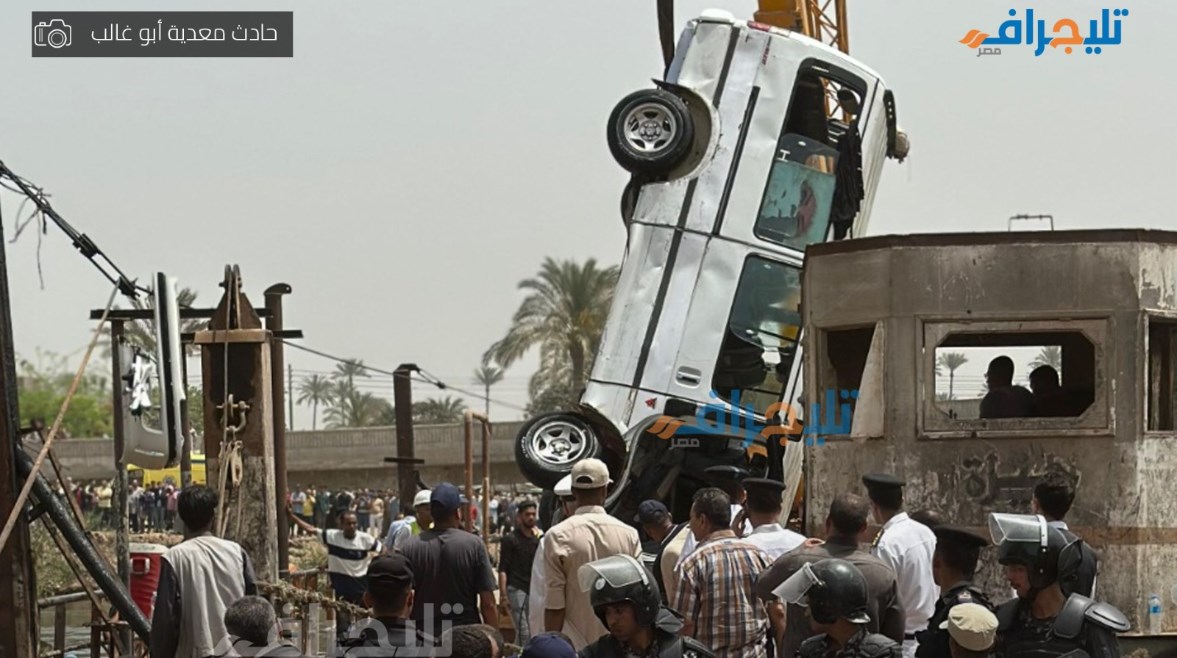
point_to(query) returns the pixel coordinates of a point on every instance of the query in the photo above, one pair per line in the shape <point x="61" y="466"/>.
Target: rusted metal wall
<point x="1124" y="506"/>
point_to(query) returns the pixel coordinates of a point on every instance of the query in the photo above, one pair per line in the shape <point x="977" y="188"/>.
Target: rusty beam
<point x="402" y="396"/>
<point x="278" y="392"/>
<point x="127" y="314"/>
<point x="19" y="625"/>
<point x="119" y="495"/>
<point x="472" y="416"/>
<point x="239" y="425"/>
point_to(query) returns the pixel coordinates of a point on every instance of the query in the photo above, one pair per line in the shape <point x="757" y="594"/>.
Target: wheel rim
<point x="559" y="443"/>
<point x="649" y="128"/>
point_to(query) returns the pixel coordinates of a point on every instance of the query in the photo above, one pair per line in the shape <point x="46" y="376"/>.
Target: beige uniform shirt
<point x="588" y="535"/>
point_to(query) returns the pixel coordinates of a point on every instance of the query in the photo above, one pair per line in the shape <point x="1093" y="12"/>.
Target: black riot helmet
<point x="1028" y="540"/>
<point x="617" y="579"/>
<point x="830" y="588"/>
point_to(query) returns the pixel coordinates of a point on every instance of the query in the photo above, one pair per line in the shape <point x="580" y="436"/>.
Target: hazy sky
<point x="414" y="160"/>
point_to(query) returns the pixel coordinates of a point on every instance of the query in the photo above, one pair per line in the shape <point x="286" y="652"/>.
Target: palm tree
<point x="141" y="333"/>
<point x="350" y="369"/>
<point x="951" y="361"/>
<point x="351" y="408"/>
<point x="444" y="411"/>
<point x="1049" y="355"/>
<point x="564" y="315"/>
<point x="314" y="390"/>
<point x="488" y="376"/>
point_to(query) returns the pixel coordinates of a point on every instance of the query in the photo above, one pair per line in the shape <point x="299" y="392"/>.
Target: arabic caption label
<point x="163" y="34"/>
<point x="1064" y="33"/>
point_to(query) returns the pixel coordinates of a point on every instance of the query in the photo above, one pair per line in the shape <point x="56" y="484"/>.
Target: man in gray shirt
<point x="199" y="579"/>
<point x="846" y="522"/>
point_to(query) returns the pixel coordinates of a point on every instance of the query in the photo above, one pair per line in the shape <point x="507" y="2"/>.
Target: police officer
<point x="625" y="597"/>
<point x="1042" y="621"/>
<point x="834" y="591"/>
<point x="762" y="508"/>
<point x="906" y="545"/>
<point x="953" y="565"/>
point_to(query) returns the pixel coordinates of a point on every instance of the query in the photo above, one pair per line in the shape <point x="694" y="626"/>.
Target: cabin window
<point x="849" y="378"/>
<point x="1015" y="376"/>
<point x="985" y="376"/>
<point x="799" y="199"/>
<point x="760" y="343"/>
<point x="1161" y="373"/>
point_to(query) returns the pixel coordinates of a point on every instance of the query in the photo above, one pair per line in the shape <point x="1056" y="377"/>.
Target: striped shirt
<point x="716" y="591"/>
<point x="347" y="560"/>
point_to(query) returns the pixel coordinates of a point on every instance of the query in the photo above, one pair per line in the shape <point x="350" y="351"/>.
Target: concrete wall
<point x="351" y="457"/>
<point x="1101" y="283"/>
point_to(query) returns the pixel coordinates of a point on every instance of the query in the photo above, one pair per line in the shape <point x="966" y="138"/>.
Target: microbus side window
<point x="799" y="196"/>
<point x="763" y="328"/>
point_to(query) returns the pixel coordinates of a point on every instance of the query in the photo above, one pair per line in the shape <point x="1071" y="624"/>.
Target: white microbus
<point x="737" y="166"/>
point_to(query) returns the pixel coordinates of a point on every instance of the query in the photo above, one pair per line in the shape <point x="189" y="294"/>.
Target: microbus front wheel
<point x="548" y="446"/>
<point x="650" y="131"/>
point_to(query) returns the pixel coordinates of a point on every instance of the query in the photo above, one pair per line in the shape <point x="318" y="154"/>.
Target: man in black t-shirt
<point x="452" y="570"/>
<point x="516" y="558"/>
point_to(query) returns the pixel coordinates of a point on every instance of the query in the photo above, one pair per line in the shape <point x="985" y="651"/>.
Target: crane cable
<point x="666" y="30"/>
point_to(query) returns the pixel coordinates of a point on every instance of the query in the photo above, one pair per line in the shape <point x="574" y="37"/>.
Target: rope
<point x="292" y="594"/>
<point x="18" y="506"/>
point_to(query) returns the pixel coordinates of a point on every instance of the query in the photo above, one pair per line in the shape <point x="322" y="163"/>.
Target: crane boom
<point x="823" y="20"/>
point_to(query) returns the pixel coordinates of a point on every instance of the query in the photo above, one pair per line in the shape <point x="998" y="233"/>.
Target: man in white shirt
<point x="535" y="595"/>
<point x="349" y="550"/>
<point x="906" y="546"/>
<point x="762" y="508"/>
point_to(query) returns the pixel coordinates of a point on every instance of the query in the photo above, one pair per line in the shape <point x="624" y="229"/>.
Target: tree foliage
<point x="443" y="411"/>
<point x="1049" y="355"/>
<point x="951" y="361"/>
<point x="42" y="385"/>
<point x="564" y="315"/>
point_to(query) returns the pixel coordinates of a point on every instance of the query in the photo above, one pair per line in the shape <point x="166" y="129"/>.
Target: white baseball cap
<point x="422" y="498"/>
<point x="564" y="486"/>
<point x="590" y="474"/>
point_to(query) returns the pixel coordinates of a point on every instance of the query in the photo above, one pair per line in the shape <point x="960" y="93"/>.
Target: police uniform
<point x="1083" y="625"/>
<point x="1083" y="580"/>
<point x="667" y="643"/>
<point x="862" y="645"/>
<point x="933" y="642"/>
<point x="906" y="546"/>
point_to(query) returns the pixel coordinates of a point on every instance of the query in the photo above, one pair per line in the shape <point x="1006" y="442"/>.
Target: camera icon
<point x="55" y="34"/>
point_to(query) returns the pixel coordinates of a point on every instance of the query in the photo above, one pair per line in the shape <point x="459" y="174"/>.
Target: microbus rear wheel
<point x="548" y="446"/>
<point x="650" y="131"/>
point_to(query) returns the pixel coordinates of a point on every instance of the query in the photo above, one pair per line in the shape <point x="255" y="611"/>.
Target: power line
<point x="431" y="379"/>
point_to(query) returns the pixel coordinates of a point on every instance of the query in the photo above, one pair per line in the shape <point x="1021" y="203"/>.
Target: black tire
<point x="548" y="446"/>
<point x="650" y="131"/>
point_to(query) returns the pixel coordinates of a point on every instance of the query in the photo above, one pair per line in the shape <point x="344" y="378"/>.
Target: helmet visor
<point x="616" y="571"/>
<point x="1018" y="528"/>
<point x="796" y="588"/>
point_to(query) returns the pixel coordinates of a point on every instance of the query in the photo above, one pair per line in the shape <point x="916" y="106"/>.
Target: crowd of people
<point x="727" y="582"/>
<point x="150" y="508"/>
